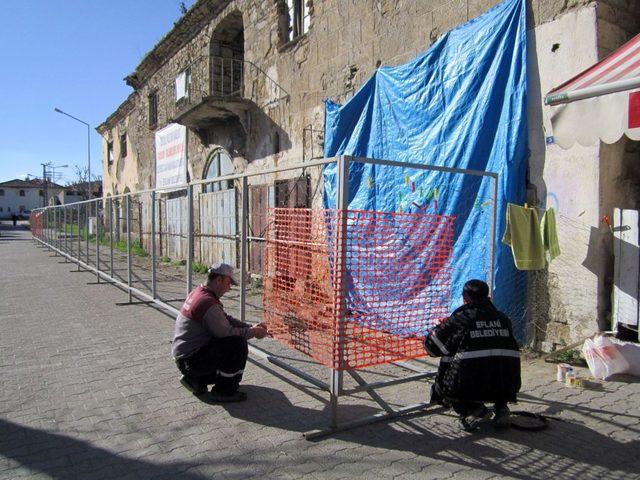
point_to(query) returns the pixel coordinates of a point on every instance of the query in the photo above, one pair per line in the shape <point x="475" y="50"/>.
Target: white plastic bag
<point x="603" y="357"/>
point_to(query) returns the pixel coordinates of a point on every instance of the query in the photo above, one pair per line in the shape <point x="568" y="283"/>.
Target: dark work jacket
<point x="480" y="358"/>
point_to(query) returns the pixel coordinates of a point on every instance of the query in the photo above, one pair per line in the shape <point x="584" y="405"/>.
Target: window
<point x="1" y="209"/>
<point x="22" y="193"/>
<point x="219" y="165"/>
<point x="41" y="193"/>
<point x="123" y="145"/>
<point x="276" y="142"/>
<point x="109" y="153"/>
<point x="1" y="192"/>
<point x="153" y="109"/>
<point x="183" y="84"/>
<point x="22" y="208"/>
<point x="295" y="192"/>
<point x="298" y="18"/>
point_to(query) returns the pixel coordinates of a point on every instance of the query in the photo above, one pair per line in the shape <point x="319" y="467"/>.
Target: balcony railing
<point x="227" y="76"/>
<point x="232" y="77"/>
<point x="220" y="86"/>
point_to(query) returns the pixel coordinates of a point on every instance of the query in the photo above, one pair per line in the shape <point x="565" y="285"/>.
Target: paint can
<point x="569" y="379"/>
<point x="563" y="368"/>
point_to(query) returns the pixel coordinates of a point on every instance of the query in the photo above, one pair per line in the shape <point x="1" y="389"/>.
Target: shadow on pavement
<point x="67" y="457"/>
<point x="565" y="450"/>
<point x="8" y="233"/>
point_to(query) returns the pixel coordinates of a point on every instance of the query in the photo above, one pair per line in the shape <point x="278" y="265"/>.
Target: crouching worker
<point x="209" y="346"/>
<point x="480" y="360"/>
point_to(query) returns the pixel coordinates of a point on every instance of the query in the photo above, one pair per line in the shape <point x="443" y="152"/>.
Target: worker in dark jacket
<point x="480" y="359"/>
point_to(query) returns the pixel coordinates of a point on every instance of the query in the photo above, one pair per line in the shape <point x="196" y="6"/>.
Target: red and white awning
<point x="601" y="103"/>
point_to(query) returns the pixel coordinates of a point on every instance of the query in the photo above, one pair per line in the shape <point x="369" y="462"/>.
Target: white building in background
<point x="19" y="196"/>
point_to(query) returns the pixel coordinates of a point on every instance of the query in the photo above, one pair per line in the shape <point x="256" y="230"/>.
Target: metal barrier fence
<point x="156" y="244"/>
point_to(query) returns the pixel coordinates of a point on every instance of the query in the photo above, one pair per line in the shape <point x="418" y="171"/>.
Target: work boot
<point x="224" y="397"/>
<point x="472" y="421"/>
<point x="502" y="418"/>
<point x="193" y="385"/>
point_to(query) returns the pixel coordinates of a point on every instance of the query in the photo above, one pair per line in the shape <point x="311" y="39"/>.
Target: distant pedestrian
<point x="209" y="346"/>
<point x="480" y="360"/>
<point x="14" y="219"/>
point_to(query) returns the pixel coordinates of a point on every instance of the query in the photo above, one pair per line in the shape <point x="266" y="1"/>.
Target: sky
<point x="73" y="55"/>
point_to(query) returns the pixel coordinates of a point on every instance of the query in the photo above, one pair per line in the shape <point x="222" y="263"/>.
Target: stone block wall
<point x="346" y="42"/>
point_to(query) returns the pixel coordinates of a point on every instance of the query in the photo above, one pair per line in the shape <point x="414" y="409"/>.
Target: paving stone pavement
<point x="90" y="392"/>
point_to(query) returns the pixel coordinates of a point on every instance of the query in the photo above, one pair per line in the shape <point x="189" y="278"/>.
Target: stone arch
<point x="218" y="164"/>
<point x="226" y="51"/>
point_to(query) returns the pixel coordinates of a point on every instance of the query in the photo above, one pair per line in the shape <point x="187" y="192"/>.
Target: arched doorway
<point x="219" y="164"/>
<point x="218" y="216"/>
<point x="226" y="52"/>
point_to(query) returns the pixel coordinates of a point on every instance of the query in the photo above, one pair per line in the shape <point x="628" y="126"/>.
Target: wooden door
<point x="218" y="227"/>
<point x="259" y="201"/>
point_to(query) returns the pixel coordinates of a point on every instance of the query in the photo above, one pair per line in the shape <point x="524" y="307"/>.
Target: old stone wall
<point x="347" y="40"/>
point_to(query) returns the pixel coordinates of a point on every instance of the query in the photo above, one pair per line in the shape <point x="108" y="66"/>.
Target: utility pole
<point x="45" y="186"/>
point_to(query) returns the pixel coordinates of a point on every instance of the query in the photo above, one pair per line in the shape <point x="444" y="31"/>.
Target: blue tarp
<point x="461" y="104"/>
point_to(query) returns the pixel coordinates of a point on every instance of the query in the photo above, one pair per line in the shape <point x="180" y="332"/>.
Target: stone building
<point x="248" y="79"/>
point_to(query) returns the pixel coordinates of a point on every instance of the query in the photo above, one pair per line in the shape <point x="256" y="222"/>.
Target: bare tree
<point x="82" y="181"/>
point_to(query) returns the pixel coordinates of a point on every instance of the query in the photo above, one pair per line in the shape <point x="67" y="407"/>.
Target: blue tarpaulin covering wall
<point x="461" y="104"/>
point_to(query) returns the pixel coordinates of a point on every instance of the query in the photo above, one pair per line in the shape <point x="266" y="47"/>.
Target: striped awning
<point x="619" y="72"/>
<point x="602" y="102"/>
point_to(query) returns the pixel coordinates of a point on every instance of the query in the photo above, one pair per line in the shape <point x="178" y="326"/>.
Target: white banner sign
<point x="171" y="156"/>
<point x="181" y="85"/>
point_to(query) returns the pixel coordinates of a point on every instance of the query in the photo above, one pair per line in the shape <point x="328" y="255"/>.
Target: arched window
<point x="22" y="193"/>
<point x="219" y="165"/>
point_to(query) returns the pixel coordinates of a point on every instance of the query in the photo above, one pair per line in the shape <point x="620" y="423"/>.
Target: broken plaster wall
<point x="572" y="298"/>
<point x="347" y="40"/>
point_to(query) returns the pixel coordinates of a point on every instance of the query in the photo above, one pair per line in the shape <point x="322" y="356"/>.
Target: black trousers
<point x="462" y="408"/>
<point x="221" y="362"/>
<point x="465" y="408"/>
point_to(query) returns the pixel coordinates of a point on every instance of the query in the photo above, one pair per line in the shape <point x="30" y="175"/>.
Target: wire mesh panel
<point x="356" y="289"/>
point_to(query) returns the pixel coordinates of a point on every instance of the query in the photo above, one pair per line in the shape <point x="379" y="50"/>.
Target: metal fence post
<point x="243" y="247"/>
<point x="64" y="220"/>
<point x="494" y="215"/>
<point x="342" y="205"/>
<point x="153" y="245"/>
<point x="86" y="218"/>
<point x="111" y="236"/>
<point x="189" y="238"/>
<point x="54" y="241"/>
<point x="128" y="220"/>
<point x="79" y="238"/>
<point x="46" y="226"/>
<point x="97" y="244"/>
<point x="57" y="231"/>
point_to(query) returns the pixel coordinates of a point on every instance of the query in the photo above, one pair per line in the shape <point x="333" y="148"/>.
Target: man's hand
<point x="258" y="331"/>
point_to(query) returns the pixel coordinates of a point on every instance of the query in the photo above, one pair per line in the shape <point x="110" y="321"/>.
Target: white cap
<point x="223" y="269"/>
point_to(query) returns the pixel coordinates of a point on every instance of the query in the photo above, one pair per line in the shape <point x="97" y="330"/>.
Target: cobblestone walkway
<point x="90" y="391"/>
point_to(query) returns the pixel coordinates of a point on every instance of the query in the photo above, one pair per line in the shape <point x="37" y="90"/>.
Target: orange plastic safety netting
<point x="355" y="288"/>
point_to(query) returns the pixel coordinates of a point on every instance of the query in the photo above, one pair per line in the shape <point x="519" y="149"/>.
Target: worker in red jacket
<point x="209" y="346"/>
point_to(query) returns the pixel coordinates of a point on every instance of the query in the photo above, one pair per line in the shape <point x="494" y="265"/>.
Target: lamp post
<point x="88" y="148"/>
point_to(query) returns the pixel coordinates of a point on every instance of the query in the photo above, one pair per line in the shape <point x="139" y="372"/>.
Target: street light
<point x="56" y="109"/>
